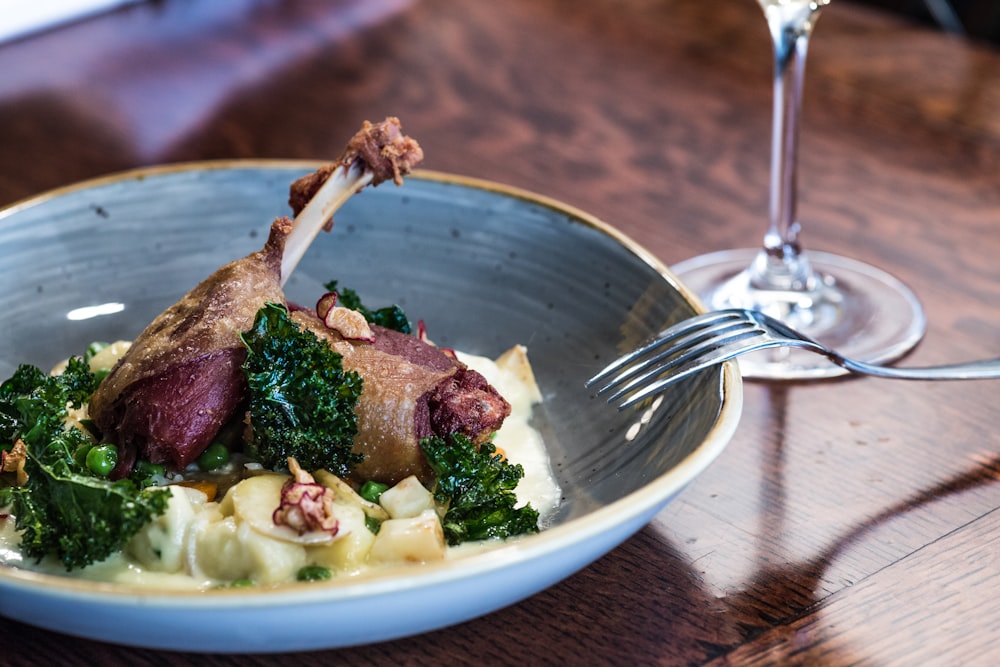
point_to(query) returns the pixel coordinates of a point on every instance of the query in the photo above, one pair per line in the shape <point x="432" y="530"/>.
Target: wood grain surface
<point x="849" y="522"/>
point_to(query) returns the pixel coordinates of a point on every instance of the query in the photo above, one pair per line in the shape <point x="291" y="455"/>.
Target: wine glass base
<point x="857" y="309"/>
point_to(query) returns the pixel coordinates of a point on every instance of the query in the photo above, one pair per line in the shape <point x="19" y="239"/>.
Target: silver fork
<point x="716" y="337"/>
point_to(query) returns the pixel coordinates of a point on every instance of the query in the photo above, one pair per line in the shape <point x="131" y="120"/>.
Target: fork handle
<point x="973" y="370"/>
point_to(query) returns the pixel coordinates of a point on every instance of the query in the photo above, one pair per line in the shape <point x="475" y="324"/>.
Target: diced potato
<point x="418" y="539"/>
<point x="227" y="550"/>
<point x="515" y="361"/>
<point x="271" y="561"/>
<point x="348" y="553"/>
<point x="159" y="545"/>
<point x="407" y="499"/>
<point x="215" y="552"/>
<point x="102" y="361"/>
<point x="254" y="501"/>
<point x="226" y="504"/>
<point x="344" y="493"/>
<point x="109" y="356"/>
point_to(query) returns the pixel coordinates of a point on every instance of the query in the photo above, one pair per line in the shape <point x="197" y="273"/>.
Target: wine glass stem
<point x="782" y="265"/>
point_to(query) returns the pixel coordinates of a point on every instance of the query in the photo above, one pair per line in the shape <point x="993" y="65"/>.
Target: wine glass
<point x="853" y="307"/>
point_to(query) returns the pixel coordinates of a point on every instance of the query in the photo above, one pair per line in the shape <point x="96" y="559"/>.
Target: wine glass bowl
<point x="840" y="301"/>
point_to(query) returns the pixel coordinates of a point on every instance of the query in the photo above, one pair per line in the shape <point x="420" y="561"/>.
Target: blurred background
<point x="979" y="19"/>
<point x="172" y="80"/>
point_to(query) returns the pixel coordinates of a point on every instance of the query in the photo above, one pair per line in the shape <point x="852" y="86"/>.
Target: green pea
<point x="80" y="455"/>
<point x="144" y="471"/>
<point x="242" y="583"/>
<point x="148" y="468"/>
<point x="372" y="491"/>
<point x="101" y="460"/>
<point x="313" y="573"/>
<point x="214" y="457"/>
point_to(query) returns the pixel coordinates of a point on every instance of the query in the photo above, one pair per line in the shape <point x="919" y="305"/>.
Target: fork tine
<point x="686" y="341"/>
<point x="719" y="356"/>
<point x="665" y="337"/>
<point x="729" y="340"/>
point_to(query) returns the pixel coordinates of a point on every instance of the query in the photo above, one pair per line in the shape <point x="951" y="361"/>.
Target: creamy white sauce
<point x="520" y="441"/>
<point x="200" y="544"/>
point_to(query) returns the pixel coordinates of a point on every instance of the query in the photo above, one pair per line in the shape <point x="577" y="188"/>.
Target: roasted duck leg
<point x="181" y="380"/>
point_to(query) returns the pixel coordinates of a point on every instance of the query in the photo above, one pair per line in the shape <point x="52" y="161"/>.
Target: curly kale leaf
<point x="477" y="485"/>
<point x="301" y="400"/>
<point x="390" y="317"/>
<point x="33" y="405"/>
<point x="13" y="395"/>
<point x="77" y="517"/>
<point x="64" y="510"/>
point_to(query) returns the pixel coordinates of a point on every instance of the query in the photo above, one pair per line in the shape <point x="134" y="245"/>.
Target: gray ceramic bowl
<point x="486" y="266"/>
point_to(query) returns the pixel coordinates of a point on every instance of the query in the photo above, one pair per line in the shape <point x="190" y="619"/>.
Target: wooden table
<point x="852" y="521"/>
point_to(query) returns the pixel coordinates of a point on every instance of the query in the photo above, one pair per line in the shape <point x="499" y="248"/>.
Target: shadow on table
<point x="678" y="621"/>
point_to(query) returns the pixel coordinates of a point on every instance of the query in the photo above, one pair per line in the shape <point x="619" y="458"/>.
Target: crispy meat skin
<point x="410" y="390"/>
<point x="181" y="379"/>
